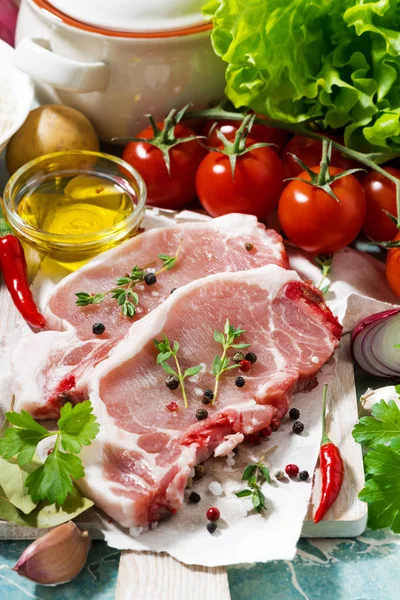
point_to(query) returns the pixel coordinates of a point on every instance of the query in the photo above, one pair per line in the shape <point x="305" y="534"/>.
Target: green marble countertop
<point x="364" y="568"/>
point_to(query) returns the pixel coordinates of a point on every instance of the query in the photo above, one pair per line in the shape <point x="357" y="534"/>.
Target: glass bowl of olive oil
<point x="70" y="206"/>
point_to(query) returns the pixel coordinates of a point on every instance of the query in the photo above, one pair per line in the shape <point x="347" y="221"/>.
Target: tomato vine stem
<point x="218" y="113"/>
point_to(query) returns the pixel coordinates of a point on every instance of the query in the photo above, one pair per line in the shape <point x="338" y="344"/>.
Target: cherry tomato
<point x="254" y="190"/>
<point x="167" y="190"/>
<point x="259" y="133"/>
<point x="310" y="152"/>
<point x="393" y="267"/>
<point x="315" y="221"/>
<point x="380" y="194"/>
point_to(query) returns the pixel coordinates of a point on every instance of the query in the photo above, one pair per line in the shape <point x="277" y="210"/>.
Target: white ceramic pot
<point x="162" y="60"/>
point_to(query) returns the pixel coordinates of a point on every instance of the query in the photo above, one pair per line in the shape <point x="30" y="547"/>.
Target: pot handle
<point x="34" y="57"/>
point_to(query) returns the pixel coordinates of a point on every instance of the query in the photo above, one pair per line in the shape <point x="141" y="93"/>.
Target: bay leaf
<point x="12" y="480"/>
<point x="45" y="514"/>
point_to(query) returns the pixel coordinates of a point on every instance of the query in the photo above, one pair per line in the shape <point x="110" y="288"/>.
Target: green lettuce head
<point x="336" y="62"/>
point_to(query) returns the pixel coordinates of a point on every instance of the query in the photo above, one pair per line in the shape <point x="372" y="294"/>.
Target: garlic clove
<point x="370" y="397"/>
<point x="56" y="557"/>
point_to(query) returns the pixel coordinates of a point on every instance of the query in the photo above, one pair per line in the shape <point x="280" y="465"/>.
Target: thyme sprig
<point x="168" y="350"/>
<point x="324" y="262"/>
<point x="128" y="299"/>
<point x="222" y="363"/>
<point x="255" y="475"/>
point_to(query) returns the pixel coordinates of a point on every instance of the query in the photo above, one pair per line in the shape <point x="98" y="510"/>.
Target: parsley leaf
<point x="51" y="481"/>
<point x="78" y="426"/>
<point x="382" y="427"/>
<point x="382" y="488"/>
<point x="21" y="440"/>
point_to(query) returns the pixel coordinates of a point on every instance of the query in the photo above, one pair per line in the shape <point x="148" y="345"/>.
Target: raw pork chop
<point x="57" y="361"/>
<point x="137" y="468"/>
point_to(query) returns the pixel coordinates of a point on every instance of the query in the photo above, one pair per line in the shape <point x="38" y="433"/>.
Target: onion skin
<point x="56" y="557"/>
<point x="371" y="319"/>
<point x="393" y="267"/>
<point x="367" y="354"/>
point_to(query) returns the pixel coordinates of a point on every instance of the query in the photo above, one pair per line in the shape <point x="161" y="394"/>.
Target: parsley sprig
<point x="255" y="475"/>
<point x="381" y="433"/>
<point x="222" y="363"/>
<point x="53" y="480"/>
<point x="127" y="298"/>
<point x="168" y="350"/>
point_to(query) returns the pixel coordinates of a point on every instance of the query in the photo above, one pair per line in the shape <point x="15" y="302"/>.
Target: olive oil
<point x="86" y="206"/>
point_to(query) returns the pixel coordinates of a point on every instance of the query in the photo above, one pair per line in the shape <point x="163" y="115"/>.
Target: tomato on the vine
<point x="176" y="188"/>
<point x="254" y="189"/>
<point x="393" y="267"/>
<point x="380" y="194"/>
<point x="317" y="222"/>
<point x="309" y="151"/>
<point x="259" y="133"/>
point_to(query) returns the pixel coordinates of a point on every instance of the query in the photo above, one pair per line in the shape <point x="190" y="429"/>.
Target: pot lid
<point x="134" y="15"/>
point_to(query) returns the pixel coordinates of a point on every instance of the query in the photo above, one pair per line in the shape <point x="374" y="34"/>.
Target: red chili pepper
<point x="332" y="469"/>
<point x="13" y="265"/>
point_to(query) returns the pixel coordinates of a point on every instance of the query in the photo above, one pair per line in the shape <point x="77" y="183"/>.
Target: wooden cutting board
<point x="160" y="576"/>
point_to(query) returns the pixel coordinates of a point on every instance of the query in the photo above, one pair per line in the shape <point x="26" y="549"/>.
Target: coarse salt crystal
<point x="155" y="294"/>
<point x="198" y="391"/>
<point x="315" y="359"/>
<point x="215" y="488"/>
<point x="194" y="378"/>
<point x="203" y="367"/>
<point x="230" y="462"/>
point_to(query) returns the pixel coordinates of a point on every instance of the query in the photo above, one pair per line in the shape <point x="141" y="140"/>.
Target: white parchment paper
<point x="358" y="288"/>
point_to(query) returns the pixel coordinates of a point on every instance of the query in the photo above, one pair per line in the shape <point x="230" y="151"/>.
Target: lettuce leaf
<point x="333" y="61"/>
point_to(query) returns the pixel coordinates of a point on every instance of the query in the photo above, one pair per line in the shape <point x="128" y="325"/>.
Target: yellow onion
<point x="56" y="557"/>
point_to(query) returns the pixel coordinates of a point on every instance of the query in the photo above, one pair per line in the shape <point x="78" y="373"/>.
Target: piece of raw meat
<point x="58" y="360"/>
<point x="137" y="468"/>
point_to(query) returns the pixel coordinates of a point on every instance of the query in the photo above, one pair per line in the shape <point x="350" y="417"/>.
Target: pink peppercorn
<point x="292" y="470"/>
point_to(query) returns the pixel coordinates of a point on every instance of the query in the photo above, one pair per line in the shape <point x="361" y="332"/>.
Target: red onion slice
<point x="373" y="343"/>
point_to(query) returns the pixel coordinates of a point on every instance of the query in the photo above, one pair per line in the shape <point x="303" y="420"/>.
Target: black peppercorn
<point x="208" y="396"/>
<point x="201" y="414"/>
<point x="251" y="357"/>
<point x="239" y="382"/>
<point x="211" y="527"/>
<point x="172" y="382"/>
<point x="194" y="498"/>
<point x="249" y="246"/>
<point x="294" y="413"/>
<point x="150" y="278"/>
<point x="98" y="328"/>
<point x="298" y="427"/>
<point x="303" y="475"/>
